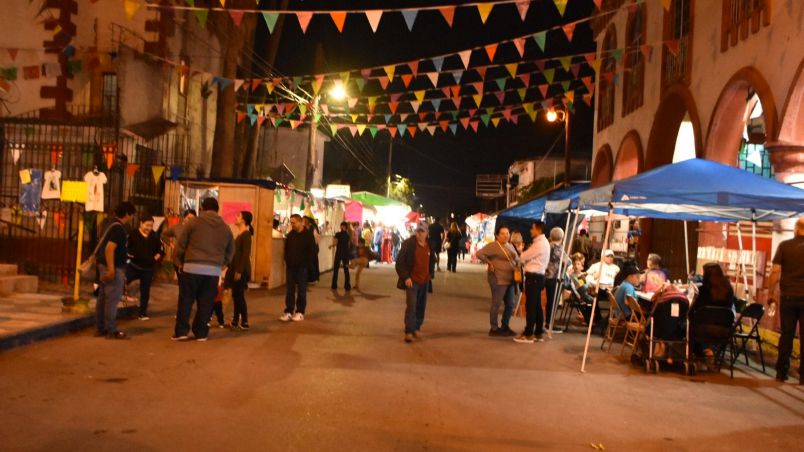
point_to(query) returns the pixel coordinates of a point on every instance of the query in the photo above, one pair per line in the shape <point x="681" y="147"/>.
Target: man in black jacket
<point x="413" y="269"/>
<point x="300" y="250"/>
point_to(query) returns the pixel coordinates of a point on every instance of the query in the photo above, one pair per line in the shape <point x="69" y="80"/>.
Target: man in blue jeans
<point x="205" y="245"/>
<point x="112" y="270"/>
<point x="413" y="269"/>
<point x="300" y="253"/>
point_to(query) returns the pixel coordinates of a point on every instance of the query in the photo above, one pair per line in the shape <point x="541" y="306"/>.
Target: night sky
<point x="442" y="168"/>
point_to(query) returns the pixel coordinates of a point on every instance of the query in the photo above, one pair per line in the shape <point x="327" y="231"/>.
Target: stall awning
<point x="534" y="208"/>
<point x="373" y="199"/>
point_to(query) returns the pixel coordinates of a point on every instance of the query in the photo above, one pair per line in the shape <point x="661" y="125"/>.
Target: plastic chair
<point x="754" y="312"/>
<point x="635" y="326"/>
<point x="616" y="323"/>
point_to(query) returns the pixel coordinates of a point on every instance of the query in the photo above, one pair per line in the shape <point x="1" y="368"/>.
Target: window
<point x="741" y="18"/>
<point x="634" y="74"/>
<point x="677" y="55"/>
<point x="605" y="108"/>
<point x="109" y="94"/>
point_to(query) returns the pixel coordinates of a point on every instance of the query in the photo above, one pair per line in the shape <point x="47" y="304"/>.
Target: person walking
<point x="361" y="261"/>
<point x="436" y="236"/>
<point x="342" y="242"/>
<point x="112" y="270"/>
<point x="299" y="254"/>
<point x="413" y="269"/>
<point x="501" y="260"/>
<point x="551" y="274"/>
<point x="204" y="247"/>
<point x="144" y="250"/>
<point x="310" y="225"/>
<point x="788" y="271"/>
<point x="239" y="272"/>
<point x="454" y="237"/>
<point x="535" y="258"/>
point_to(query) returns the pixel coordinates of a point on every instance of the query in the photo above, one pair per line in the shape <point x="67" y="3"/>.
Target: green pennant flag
<point x="522" y="92"/>
<point x="565" y="85"/>
<point x="373" y="131"/>
<point x="9" y="73"/>
<point x="549" y="74"/>
<point x="360" y="83"/>
<point x="500" y="83"/>
<point x="334" y="129"/>
<point x="201" y="15"/>
<point x="540" y="39"/>
<point x="278" y="195"/>
<point x="455" y="114"/>
<point x="301" y="206"/>
<point x="485" y="118"/>
<point x="489" y="110"/>
<point x="270" y="20"/>
<point x="618" y="55"/>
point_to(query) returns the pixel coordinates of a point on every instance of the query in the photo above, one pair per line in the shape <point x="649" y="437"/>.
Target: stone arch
<point x="723" y="138"/>
<point x="603" y="167"/>
<point x="676" y="102"/>
<point x="629" y="160"/>
<point x="787" y="154"/>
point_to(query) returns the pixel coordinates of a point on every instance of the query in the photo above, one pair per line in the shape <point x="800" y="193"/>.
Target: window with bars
<point x="755" y="159"/>
<point x="677" y="56"/>
<point x="742" y="18"/>
<point x="109" y="92"/>
<point x="634" y="73"/>
<point x="605" y="108"/>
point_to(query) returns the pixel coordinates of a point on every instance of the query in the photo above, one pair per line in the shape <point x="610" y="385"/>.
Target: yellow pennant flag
<point x="157" y="170"/>
<point x="496" y="121"/>
<point x="390" y="71"/>
<point x="131" y="8"/>
<point x="419" y="95"/>
<point x="512" y="68"/>
<point x="666" y="4"/>
<point x="223" y="3"/>
<point x="361" y="128"/>
<point x="484" y="9"/>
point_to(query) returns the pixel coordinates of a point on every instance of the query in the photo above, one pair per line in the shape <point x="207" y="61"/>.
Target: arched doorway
<point x="787" y="153"/>
<point x="674" y="136"/>
<point x="603" y="167"/>
<point x="629" y="157"/>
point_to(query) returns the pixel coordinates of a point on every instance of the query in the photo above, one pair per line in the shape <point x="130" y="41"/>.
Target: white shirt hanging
<point x="51" y="189"/>
<point x="95" y="184"/>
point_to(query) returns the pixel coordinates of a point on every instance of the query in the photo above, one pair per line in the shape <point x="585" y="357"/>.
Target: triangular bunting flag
<point x="491" y="49"/>
<point x="666" y="4"/>
<point x="512" y="69"/>
<point x="383" y="82"/>
<point x="453" y="128"/>
<point x="410" y="16"/>
<point x="569" y="30"/>
<point x="500" y="83"/>
<point x="565" y="62"/>
<point x="522" y="6"/>
<point x="478" y="99"/>
<point x="270" y="20"/>
<point x="201" y="15"/>
<point x="519" y="43"/>
<point x="237" y="16"/>
<point x="474" y="124"/>
<point x="525" y="79"/>
<point x="412" y="131"/>
<point x="390" y="71"/>
<point x="415" y="106"/>
<point x="406" y="79"/>
<point x="543" y="90"/>
<point x="438" y="63"/>
<point x="672" y="46"/>
<point x="449" y="13"/>
<point x="374" y="17"/>
<point x="540" y="39"/>
<point x="465" y="56"/>
<point x="131" y="7"/>
<point x="339" y="17"/>
<point x="495" y="121"/>
<point x="484" y="9"/>
<point x="561" y="5"/>
<point x="360" y="129"/>
<point x="549" y="74"/>
<point x="157" y="171"/>
<point x="419" y="95"/>
<point x="304" y="19"/>
<point x="457" y="75"/>
<point x="433" y="76"/>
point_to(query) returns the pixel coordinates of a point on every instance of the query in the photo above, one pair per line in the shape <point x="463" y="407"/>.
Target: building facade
<point x="714" y="79"/>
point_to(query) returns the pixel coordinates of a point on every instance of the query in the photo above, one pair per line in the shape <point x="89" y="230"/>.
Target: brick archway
<point x="629" y="160"/>
<point x="791" y="129"/>
<point x="723" y="138"/>
<point x="676" y="102"/>
<point x="603" y="167"/>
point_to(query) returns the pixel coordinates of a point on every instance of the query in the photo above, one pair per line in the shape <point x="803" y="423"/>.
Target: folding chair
<point x="616" y="323"/>
<point x="635" y="326"/>
<point x="713" y="326"/>
<point x="574" y="303"/>
<point x="753" y="312"/>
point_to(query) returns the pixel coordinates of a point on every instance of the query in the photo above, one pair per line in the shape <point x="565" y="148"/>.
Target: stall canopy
<point x="372" y="199"/>
<point x="697" y="190"/>
<point x="533" y="209"/>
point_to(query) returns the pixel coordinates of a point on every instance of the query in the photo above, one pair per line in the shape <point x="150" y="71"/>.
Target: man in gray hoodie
<point x="204" y="246"/>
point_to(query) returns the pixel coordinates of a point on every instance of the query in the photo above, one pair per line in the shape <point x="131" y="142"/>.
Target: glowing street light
<point x="554" y="115"/>
<point x="338" y="92"/>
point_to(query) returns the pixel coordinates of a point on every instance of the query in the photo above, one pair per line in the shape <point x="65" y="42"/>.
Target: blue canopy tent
<point x="696" y="190"/>
<point x="522" y="215"/>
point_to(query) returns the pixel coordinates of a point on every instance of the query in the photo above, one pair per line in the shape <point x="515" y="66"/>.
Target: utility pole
<point x="567" y="156"/>
<point x="388" y="178"/>
<point x="311" y="152"/>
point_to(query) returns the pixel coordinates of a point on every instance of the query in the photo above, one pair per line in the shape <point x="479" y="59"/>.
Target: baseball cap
<point x="421" y="226"/>
<point x="608" y="253"/>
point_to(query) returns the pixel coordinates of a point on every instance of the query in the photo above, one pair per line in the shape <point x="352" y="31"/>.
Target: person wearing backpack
<point x="111" y="259"/>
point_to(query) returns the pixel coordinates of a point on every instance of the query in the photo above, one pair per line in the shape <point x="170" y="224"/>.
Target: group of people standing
<point x="204" y="248"/>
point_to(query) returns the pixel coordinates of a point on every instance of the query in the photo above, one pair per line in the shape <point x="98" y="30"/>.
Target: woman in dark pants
<point x="239" y="272"/>
<point x="453" y="239"/>
<point x="144" y="251"/>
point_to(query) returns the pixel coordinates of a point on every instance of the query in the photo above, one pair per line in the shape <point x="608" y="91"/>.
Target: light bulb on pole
<point x="563" y="115"/>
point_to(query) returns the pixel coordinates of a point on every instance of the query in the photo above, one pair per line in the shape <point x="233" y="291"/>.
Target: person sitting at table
<point x="576" y="278"/>
<point x="716" y="291"/>
<point x="655" y="276"/>
<point x="630" y="278"/>
<point x="607" y="270"/>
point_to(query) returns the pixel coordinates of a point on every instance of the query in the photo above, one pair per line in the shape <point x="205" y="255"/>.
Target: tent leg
<point x="597" y="293"/>
<point x="742" y="261"/>
<point x="753" y="260"/>
<point x="686" y="250"/>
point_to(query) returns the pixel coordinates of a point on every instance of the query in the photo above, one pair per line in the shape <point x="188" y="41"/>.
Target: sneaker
<point x="183" y="337"/>
<point x="416" y="335"/>
<point x="522" y="339"/>
<point x="144" y="317"/>
<point x="538" y="338"/>
<point x="408" y="337"/>
<point x="507" y="332"/>
<point x="233" y="325"/>
<point x="297" y="317"/>
<point x="202" y="339"/>
<point x="244" y="327"/>
<point x="557" y="331"/>
<point x="117" y="335"/>
<point x="495" y="332"/>
<point x="286" y="317"/>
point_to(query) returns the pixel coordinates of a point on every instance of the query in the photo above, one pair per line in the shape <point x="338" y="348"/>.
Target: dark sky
<point x="442" y="167"/>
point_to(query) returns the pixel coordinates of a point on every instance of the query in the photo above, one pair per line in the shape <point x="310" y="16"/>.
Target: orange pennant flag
<point x="109" y="159"/>
<point x="304" y="19"/>
<point x="569" y="30"/>
<point x="131" y="7"/>
<point x="512" y="68"/>
<point x="491" y="50"/>
<point x="374" y="17"/>
<point x="406" y="79"/>
<point x="449" y="13"/>
<point x="666" y="4"/>
<point x="339" y="17"/>
<point x="484" y="9"/>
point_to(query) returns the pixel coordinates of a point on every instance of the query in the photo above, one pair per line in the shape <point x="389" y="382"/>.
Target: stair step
<point x="18" y="284"/>
<point x="8" y="269"/>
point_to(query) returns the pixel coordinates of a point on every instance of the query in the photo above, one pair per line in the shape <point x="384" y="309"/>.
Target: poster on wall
<point x="230" y="210"/>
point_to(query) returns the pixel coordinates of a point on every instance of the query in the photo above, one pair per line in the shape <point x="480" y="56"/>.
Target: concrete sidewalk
<point x="344" y="380"/>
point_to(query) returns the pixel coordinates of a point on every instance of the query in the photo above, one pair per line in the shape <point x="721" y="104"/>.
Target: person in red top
<point x="413" y="269"/>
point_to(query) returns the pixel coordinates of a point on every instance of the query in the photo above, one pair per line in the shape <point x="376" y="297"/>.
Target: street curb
<point x="58" y="329"/>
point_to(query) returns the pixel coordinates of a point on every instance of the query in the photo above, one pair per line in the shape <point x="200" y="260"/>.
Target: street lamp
<point x="563" y="115"/>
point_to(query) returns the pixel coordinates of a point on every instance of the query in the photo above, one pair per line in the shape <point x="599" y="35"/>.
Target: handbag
<point x="517" y="270"/>
<point x="88" y="268"/>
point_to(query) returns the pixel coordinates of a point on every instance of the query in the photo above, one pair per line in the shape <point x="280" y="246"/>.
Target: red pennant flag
<point x="525" y="79"/>
<point x="478" y="86"/>
<point x="569" y="30"/>
<point x="543" y="90"/>
<point x="481" y="71"/>
<point x="237" y="16"/>
<point x="491" y="49"/>
<point x="392" y="130"/>
<point x="383" y="82"/>
<point x="109" y="159"/>
<point x="540" y="65"/>
<point x="406" y="79"/>
<point x="54" y="158"/>
<point x="500" y="96"/>
<point x="412" y="131"/>
<point x="465" y="122"/>
<point x="13" y="53"/>
<point x="444" y="124"/>
<point x="132" y="168"/>
<point x="474" y="124"/>
<point x="422" y="115"/>
<point x="456" y="90"/>
<point x="673" y="47"/>
<point x="522" y="6"/>
<point x="449" y="13"/>
<point x="414" y="67"/>
<point x="393" y="106"/>
<point x="304" y="19"/>
<point x="255" y="84"/>
<point x="339" y="17"/>
<point x="240" y="116"/>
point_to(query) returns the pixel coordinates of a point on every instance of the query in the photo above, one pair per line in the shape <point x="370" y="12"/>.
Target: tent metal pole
<point x="597" y="291"/>
<point x="686" y="251"/>
<point x="742" y="261"/>
<point x="559" y="276"/>
<point x="753" y="257"/>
